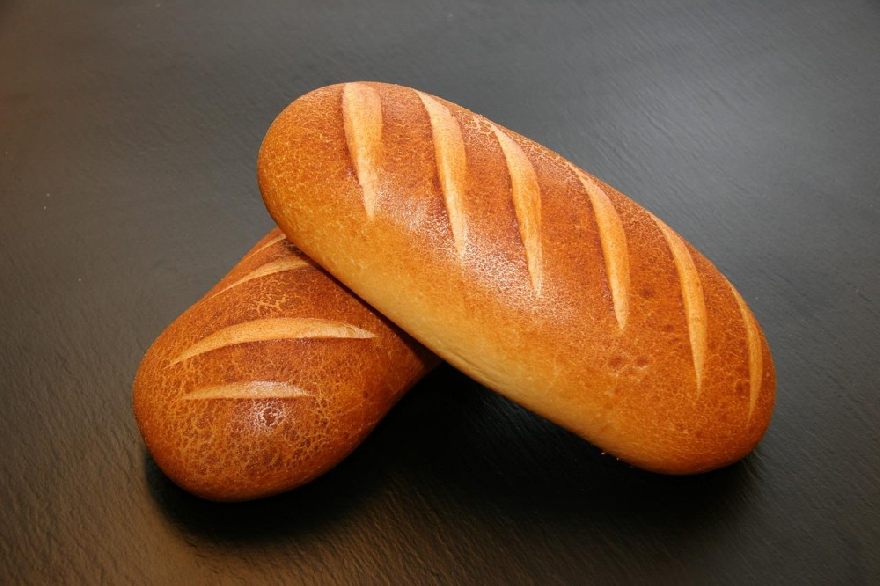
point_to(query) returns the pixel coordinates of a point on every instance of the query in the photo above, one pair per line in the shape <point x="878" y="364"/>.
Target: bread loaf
<point x="271" y="379"/>
<point x="522" y="270"/>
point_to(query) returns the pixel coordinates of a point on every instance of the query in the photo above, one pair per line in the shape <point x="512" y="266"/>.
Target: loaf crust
<point x="270" y="380"/>
<point x="527" y="273"/>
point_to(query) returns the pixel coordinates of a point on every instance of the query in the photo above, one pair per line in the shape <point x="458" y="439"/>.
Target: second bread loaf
<point x="270" y="379"/>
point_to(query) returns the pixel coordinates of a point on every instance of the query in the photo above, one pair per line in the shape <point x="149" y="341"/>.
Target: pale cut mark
<point x="692" y="294"/>
<point x="261" y="330"/>
<point x="526" y="203"/>
<point x="274" y="240"/>
<point x="614" y="247"/>
<point x="449" y="155"/>
<point x="362" y="121"/>
<point x="755" y="352"/>
<point x="257" y="389"/>
<point x="270" y="268"/>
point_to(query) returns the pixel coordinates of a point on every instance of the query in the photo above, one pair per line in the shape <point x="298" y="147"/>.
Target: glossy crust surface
<point x="269" y="380"/>
<point x="532" y="276"/>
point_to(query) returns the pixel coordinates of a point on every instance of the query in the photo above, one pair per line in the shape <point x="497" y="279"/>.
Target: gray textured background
<point x="129" y="133"/>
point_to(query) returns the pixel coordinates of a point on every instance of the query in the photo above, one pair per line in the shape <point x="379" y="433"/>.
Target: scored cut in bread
<point x="269" y="380"/>
<point x="522" y="270"/>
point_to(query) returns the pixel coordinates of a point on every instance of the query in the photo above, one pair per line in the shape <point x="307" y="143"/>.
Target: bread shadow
<point x="501" y="460"/>
<point x="478" y="456"/>
<point x="307" y="509"/>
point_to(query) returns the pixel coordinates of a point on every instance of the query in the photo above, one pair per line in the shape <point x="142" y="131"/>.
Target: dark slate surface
<point x="129" y="133"/>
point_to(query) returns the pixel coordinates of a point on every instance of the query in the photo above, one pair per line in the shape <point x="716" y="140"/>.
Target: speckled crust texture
<point x="532" y="276"/>
<point x="269" y="380"/>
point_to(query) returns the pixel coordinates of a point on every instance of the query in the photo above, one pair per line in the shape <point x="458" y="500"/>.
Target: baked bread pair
<point x="502" y="258"/>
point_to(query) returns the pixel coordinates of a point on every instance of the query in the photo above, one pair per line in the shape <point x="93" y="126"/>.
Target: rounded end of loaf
<point x="673" y="426"/>
<point x="523" y="271"/>
<point x="276" y="157"/>
<point x="715" y="439"/>
<point x="270" y="380"/>
<point x="223" y="451"/>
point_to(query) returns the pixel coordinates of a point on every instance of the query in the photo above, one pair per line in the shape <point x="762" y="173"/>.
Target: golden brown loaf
<point x="532" y="276"/>
<point x="271" y="379"/>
